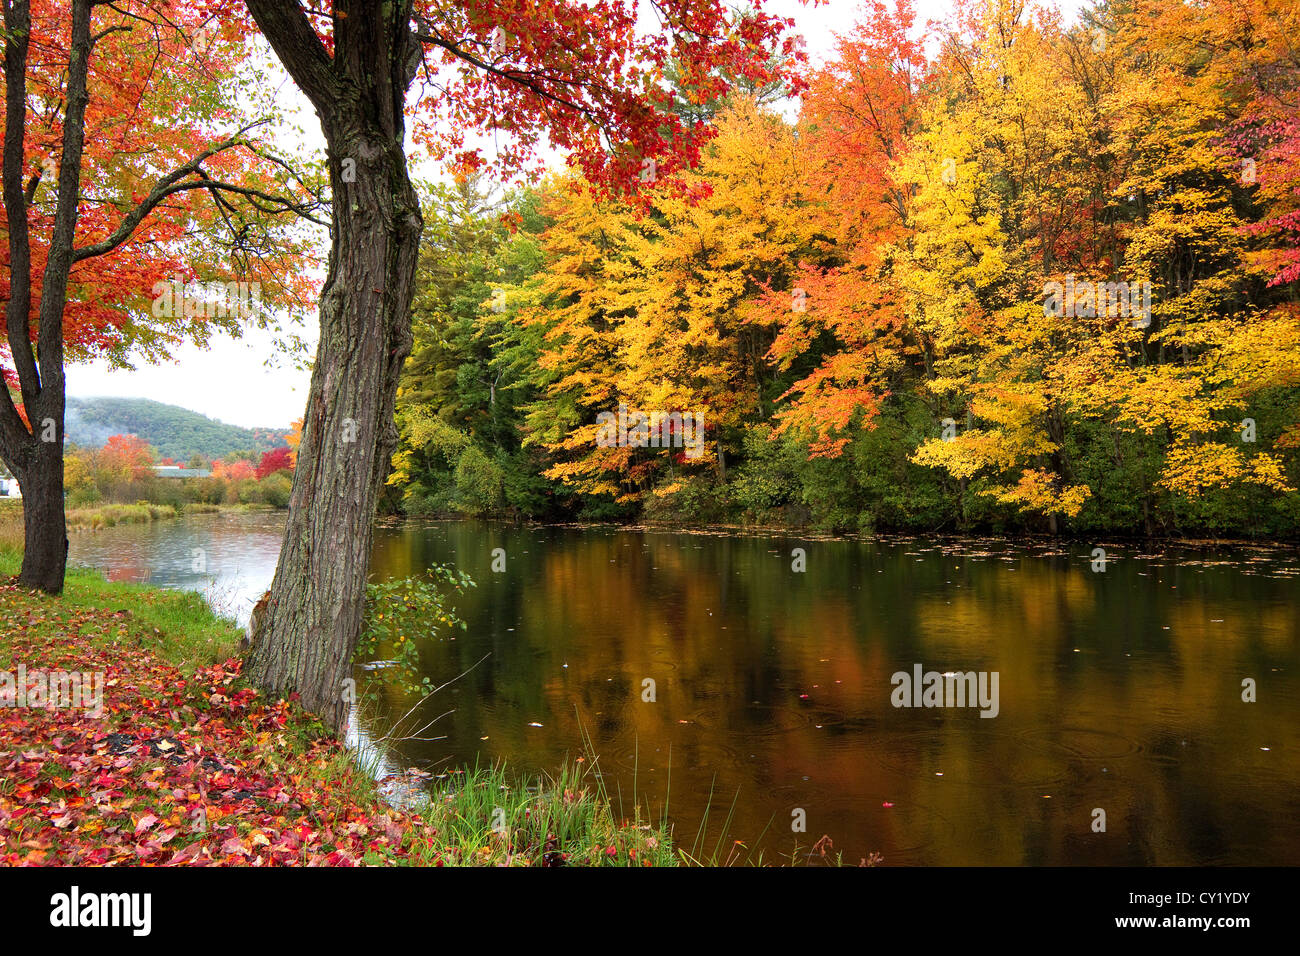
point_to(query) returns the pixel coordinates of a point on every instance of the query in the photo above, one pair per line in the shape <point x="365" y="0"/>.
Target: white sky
<point x="230" y="379"/>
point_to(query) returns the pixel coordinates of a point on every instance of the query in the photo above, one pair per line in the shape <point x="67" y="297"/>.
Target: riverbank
<point x="108" y="516"/>
<point x="185" y="764"/>
<point x="806" y="533"/>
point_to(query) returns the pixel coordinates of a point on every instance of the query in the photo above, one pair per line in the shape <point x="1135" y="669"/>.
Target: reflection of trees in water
<point x="1090" y="679"/>
<point x="1118" y="689"/>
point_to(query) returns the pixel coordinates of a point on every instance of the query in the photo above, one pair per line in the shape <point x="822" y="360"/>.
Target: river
<point x="1119" y="688"/>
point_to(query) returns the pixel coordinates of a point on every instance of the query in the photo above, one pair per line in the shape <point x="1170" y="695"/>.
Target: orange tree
<point x="127" y="175"/>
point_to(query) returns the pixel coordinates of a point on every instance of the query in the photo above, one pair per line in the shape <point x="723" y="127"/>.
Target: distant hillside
<point x="176" y="433"/>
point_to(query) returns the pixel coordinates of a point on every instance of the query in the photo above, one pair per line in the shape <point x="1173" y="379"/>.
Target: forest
<point x="715" y="433"/>
<point x="999" y="275"/>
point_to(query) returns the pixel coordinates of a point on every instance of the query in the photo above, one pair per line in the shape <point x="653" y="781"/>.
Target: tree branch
<point x="172" y="183"/>
<point x="291" y="35"/>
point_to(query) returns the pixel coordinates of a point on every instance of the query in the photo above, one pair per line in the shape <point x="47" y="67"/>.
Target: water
<point x="1119" y="691"/>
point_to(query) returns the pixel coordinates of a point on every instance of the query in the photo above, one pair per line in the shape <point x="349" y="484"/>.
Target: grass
<point x="83" y="519"/>
<point x="11" y="526"/>
<point x="108" y="516"/>
<point x="488" y="816"/>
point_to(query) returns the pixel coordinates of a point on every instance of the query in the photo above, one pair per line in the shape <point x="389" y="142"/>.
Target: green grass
<point x="488" y="816"/>
<point x="185" y="630"/>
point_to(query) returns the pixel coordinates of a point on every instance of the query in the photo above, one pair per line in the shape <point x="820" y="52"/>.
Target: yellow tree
<point x="575" y="305"/>
<point x="652" y="310"/>
<point x="293" y="438"/>
<point x="691" y="339"/>
<point x="999" y="194"/>
<point x="1214" y="340"/>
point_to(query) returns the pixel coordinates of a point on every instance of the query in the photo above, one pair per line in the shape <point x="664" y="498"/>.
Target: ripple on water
<point x="625" y="755"/>
<point x="908" y="832"/>
<point x="767" y="720"/>
<point x="1079" y="743"/>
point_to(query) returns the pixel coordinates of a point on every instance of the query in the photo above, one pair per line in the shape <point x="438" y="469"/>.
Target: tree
<point x="293" y="438"/>
<point x="998" y="180"/>
<point x="857" y="116"/>
<point x="575" y="307"/>
<point x="277" y="459"/>
<point x="580" y="76"/>
<point x="87" y="274"/>
<point x="673" y="308"/>
<point x="125" y="458"/>
<point x="472" y="362"/>
<point x="235" y="471"/>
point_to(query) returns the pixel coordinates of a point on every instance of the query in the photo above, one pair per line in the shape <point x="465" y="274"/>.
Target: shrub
<point x="275" y="489"/>
<point x="402" y="612"/>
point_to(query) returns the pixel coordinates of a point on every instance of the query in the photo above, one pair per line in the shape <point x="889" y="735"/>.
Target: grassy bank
<point x="106" y="516"/>
<point x="188" y="765"/>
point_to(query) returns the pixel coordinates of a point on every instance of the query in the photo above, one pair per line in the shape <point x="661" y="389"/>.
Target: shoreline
<point x="97" y="517"/>
<point x="804" y="534"/>
<point x="187" y="765"/>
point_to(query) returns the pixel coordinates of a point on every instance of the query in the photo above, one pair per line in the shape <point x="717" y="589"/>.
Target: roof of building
<point x="176" y="471"/>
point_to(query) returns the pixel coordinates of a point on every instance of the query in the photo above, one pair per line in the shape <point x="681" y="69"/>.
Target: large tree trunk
<point x="307" y="634"/>
<point x="309" y="630"/>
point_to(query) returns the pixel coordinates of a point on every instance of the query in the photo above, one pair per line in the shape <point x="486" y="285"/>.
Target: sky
<point x="230" y="380"/>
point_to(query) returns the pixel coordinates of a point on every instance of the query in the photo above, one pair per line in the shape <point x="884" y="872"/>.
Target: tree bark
<point x="45" y="533"/>
<point x="34" y="451"/>
<point x="308" y="633"/>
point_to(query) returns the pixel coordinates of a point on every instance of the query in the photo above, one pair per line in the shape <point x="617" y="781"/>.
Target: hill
<point x="176" y="433"/>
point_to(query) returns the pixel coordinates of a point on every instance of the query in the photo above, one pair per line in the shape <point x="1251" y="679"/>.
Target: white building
<point x="9" y="487"/>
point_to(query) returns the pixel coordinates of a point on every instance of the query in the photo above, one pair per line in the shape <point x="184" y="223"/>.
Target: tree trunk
<point x="307" y="635"/>
<point x="45" y="531"/>
<point x="313" y="618"/>
<point x="34" y="451"/>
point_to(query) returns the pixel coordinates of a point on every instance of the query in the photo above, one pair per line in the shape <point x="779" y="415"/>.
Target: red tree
<point x="277" y="459"/>
<point x="233" y="471"/>
<point x="128" y="456"/>
<point x="580" y="76"/>
<point x="855" y="120"/>
<point x="144" y="94"/>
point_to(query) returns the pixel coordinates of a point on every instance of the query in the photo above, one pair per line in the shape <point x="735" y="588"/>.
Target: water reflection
<point x="1119" y="690"/>
<point x="228" y="557"/>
